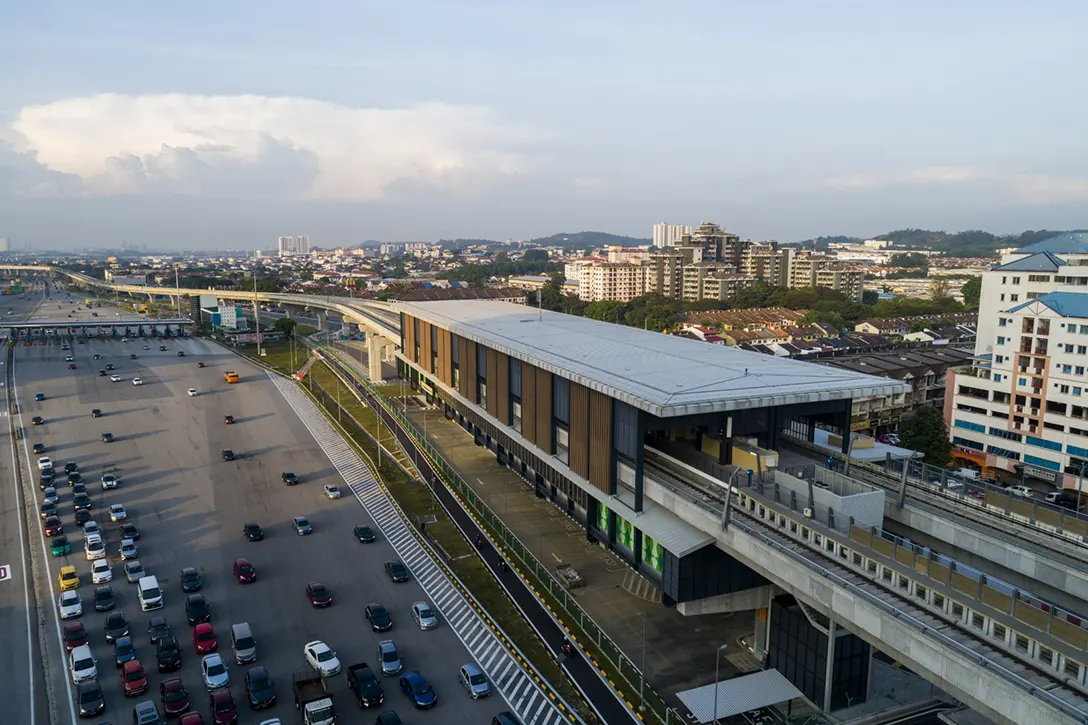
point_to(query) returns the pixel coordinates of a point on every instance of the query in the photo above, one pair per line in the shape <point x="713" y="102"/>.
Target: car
<point x="424" y="615"/>
<point x="228" y="454"/>
<point x="128" y="550"/>
<point x="389" y="717"/>
<point x="49" y="495"/>
<point x="37" y="420"/>
<point x="191" y="392"/>
<point x="396" y="571"/>
<point x="162" y="348"/>
<point x="129" y="531"/>
<point x="364" y="534"/>
<point x="168" y="654"/>
<point x="173" y="696"/>
<point x="67" y="578"/>
<point x="224" y="709"/>
<point x="289" y="478"/>
<point x="473" y="679"/>
<point x="52" y="525"/>
<point x="115" y="377"/>
<point x="94" y="547"/>
<point x="253" y="531"/>
<point x="72" y="366"/>
<point x="332" y="492"/>
<point x="260" y="689"/>
<point x="137" y="381"/>
<point x="74" y="478"/>
<point x="60" y="546"/>
<point x="101" y="572"/>
<point x="81" y="501"/>
<point x="123" y="651"/>
<point x="321" y="658"/>
<point x="190" y="580"/>
<point x="228" y="420"/>
<point x="118" y="513"/>
<point x="378" y="616"/>
<point x="214" y="671"/>
<point x="97" y="412"/>
<point x="89" y="699"/>
<point x="82" y="517"/>
<point x="134" y="571"/>
<point x="70" y="605"/>
<point x="102" y="373"/>
<point x="200" y="364"/>
<point x="157" y="629"/>
<point x="97" y="356"/>
<point x="204" y="639"/>
<point x="39" y="396"/>
<point x="110" y="367"/>
<point x="39" y="448"/>
<point x="181" y="353"/>
<point x="44" y="462"/>
<point x="318" y="594"/>
<point x="146" y="712"/>
<point x="46" y="479"/>
<point x="74" y="634"/>
<point x="133" y="678"/>
<point x="417" y="689"/>
<point x="82" y="665"/>
<point x="1020" y="491"/>
<point x="116" y="625"/>
<point x="109" y="482"/>
<point x="244" y="572"/>
<point x="71" y="466"/>
<point x="104" y="600"/>
<point x="197" y="609"/>
<point x="302" y="525"/>
<point x="91" y="528"/>
<point x="68" y="358"/>
<point x="389" y="657"/>
<point x="132" y="356"/>
<point x="48" y="510"/>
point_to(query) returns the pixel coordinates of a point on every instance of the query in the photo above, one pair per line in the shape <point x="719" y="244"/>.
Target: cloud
<point x="250" y="145"/>
<point x="1025" y="187"/>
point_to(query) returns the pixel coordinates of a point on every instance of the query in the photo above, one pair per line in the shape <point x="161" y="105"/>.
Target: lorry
<point x="364" y="683"/>
<point x="230" y="376"/>
<point x="312" y="698"/>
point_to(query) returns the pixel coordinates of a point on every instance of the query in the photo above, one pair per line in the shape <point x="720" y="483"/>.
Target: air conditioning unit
<point x="808" y="512"/>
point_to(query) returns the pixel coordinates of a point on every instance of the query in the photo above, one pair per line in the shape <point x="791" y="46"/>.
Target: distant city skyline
<point x="425" y="120"/>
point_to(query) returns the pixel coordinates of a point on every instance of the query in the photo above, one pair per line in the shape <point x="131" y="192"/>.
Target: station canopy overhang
<point x="739" y="694"/>
<point x="98" y="322"/>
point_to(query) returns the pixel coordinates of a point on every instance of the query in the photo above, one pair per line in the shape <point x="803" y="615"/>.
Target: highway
<point x="190" y="505"/>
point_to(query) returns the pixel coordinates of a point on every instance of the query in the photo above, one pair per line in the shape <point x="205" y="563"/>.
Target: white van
<point x="149" y="593"/>
<point x="245" y="647"/>
<point x="94" y="547"/>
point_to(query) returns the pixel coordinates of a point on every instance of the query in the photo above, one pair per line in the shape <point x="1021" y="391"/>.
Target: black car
<point x="39" y="448"/>
<point x="78" y="488"/>
<point x="89" y="698"/>
<point x="71" y="467"/>
<point x="107" y="437"/>
<point x="389" y="717"/>
<point x="75" y="477"/>
<point x="128" y="531"/>
<point x="82" y="517"/>
<point x="102" y="373"/>
<point x="253" y="531"/>
<point x="110" y="366"/>
<point x="81" y="501"/>
<point x="48" y="509"/>
<point x="116" y="625"/>
<point x="365" y="535"/>
<point x="260" y="688"/>
<point x="132" y="356"/>
<point x="46" y="480"/>
<point x="96" y="413"/>
<point x="379" y="618"/>
<point x="396" y="571"/>
<point x="37" y="420"/>
<point x="97" y="356"/>
<point x="162" y="348"/>
<point x="197" y="609"/>
<point x="157" y="629"/>
<point x="289" y="478"/>
<point x="228" y="454"/>
<point x="181" y="353"/>
<point x="104" y="600"/>
<point x="168" y="653"/>
<point x="190" y="580"/>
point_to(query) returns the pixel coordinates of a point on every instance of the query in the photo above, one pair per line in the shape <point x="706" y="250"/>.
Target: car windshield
<point x="390" y="655"/>
<point x="319" y="591"/>
<point x="168" y="647"/>
<point x="205" y="636"/>
<point x="216" y="669"/>
<point x="176" y="695"/>
<point x="84" y="664"/>
<point x="224" y="705"/>
<point x="73" y="634"/>
<point x="425" y="613"/>
<point x="246" y="569"/>
<point x="90" y="694"/>
<point x="398" y="568"/>
<point x="134" y="675"/>
<point x="477" y="679"/>
<point x="420" y="687"/>
<point x="324" y="655"/>
<point x="303" y="522"/>
<point x="124" y="649"/>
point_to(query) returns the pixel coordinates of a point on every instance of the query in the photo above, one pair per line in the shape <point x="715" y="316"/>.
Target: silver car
<point x="214" y="671"/>
<point x="474" y="681"/>
<point x="424" y="615"/>
<point x="134" y="570"/>
<point x="389" y="657"/>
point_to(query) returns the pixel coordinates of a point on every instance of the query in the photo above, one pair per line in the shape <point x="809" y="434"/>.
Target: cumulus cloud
<point x="263" y="146"/>
<point x="1025" y="187"/>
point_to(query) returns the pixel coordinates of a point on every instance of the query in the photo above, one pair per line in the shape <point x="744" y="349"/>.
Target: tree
<point x="606" y="311"/>
<point x="939" y="291"/>
<point x="285" y="325"/>
<point x="972" y="290"/>
<point x="910" y="259"/>
<point x="926" y="432"/>
<point x="870" y="297"/>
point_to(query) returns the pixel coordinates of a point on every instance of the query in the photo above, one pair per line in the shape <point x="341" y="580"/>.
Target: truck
<point x="312" y="698"/>
<point x="364" y="683"/>
<point x="230" y="376"/>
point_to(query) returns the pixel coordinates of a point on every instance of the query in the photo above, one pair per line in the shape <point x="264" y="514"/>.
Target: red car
<point x="53" y="526"/>
<point x="75" y="634"/>
<point x="72" y="366"/>
<point x="191" y="718"/>
<point x="224" y="711"/>
<point x="133" y="678"/>
<point x="318" y="594"/>
<point x="204" y="638"/>
<point x="174" y="697"/>
<point x="244" y="571"/>
<point x="200" y="364"/>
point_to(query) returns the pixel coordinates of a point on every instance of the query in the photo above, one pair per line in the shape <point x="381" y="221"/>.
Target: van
<point x="94" y="547"/>
<point x="149" y="593"/>
<point x="241" y="639"/>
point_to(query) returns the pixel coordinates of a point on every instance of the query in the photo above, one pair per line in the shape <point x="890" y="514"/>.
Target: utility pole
<point x="177" y="289"/>
<point x="256" y="313"/>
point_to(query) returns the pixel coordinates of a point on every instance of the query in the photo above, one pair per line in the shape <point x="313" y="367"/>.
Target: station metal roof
<point x="664" y="375"/>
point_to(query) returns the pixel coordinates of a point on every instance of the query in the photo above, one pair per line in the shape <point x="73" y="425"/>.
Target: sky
<point x="214" y="125"/>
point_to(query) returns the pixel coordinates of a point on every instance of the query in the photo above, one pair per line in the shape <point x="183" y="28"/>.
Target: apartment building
<point x="1022" y="405"/>
<point x="599" y="281"/>
<point x="617" y="254"/>
<point x="818" y="270"/>
<point x="666" y="235"/>
<point x="290" y="246"/>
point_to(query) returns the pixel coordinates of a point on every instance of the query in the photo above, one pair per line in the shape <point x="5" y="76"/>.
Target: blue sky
<point x="227" y="124"/>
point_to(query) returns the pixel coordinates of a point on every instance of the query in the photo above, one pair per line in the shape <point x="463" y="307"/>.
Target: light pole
<point x="177" y="289"/>
<point x="717" y="666"/>
<point x="256" y="313"/>
<point x="642" y="669"/>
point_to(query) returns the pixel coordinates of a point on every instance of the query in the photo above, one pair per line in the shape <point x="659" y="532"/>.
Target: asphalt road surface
<point x="190" y="506"/>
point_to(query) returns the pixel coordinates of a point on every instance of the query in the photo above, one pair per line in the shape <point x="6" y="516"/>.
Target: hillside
<point x="586" y="240"/>
<point x="973" y="243"/>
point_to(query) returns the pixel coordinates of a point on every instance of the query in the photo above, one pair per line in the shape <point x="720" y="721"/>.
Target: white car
<point x="101" y="572"/>
<point x="70" y="605"/>
<point x="45" y="462"/>
<point x="1021" y="491"/>
<point x="332" y="491"/>
<point x="321" y="658"/>
<point x="91" y="528"/>
<point x="128" y="550"/>
<point x="94" y="547"/>
<point x="137" y="381"/>
<point x="118" y="513"/>
<point x="191" y="392"/>
<point x="109" y="481"/>
<point x="214" y="672"/>
<point x="115" y="378"/>
<point x="69" y="358"/>
<point x="81" y="664"/>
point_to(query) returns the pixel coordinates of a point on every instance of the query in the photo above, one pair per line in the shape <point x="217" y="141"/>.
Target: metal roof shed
<point x="740" y="694"/>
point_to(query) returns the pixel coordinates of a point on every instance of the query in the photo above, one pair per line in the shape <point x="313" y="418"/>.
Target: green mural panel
<point x="652" y="552"/>
<point x="626" y="534"/>
<point x="602" y="517"/>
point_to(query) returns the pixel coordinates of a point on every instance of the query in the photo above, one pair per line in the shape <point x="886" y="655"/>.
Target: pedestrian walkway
<point x="528" y="697"/>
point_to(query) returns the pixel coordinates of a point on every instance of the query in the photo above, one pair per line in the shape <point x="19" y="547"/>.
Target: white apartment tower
<point x="668" y="235"/>
<point x="290" y="246"/>
<point x="1022" y="407"/>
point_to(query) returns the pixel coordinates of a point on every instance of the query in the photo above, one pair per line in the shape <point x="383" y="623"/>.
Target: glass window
<point x="481" y="393"/>
<point x="625" y="483"/>
<point x="456" y="378"/>
<point x="562" y="443"/>
<point x="515" y="414"/>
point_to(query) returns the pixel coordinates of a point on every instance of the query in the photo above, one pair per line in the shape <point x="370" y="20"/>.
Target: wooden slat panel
<point x="1069" y="633"/>
<point x="938" y="572"/>
<point x="444" y="364"/>
<point x="579" y="429"/>
<point x="492" y="396"/>
<point x="600" y="440"/>
<point x="468" y="369"/>
<point x="528" y="402"/>
<point x="859" y="535"/>
<point x="964" y="584"/>
<point x="543" y="410"/>
<point x="425" y="346"/>
<point x="502" y="387"/>
<point x="1029" y="614"/>
<point x="410" y="338"/>
<point x="904" y="556"/>
<point x="998" y="600"/>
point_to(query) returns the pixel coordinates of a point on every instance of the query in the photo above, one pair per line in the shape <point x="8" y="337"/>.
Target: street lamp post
<point x="642" y="669"/>
<point x="256" y="313"/>
<point x="717" y="666"/>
